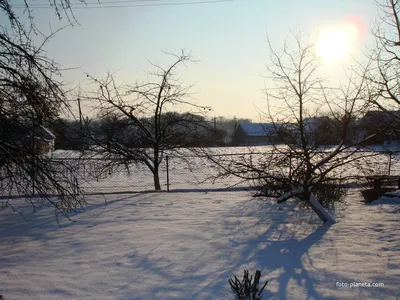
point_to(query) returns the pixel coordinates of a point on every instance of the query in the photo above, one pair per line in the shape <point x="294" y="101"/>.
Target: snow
<point x="392" y="146"/>
<point x="200" y="171"/>
<point x="390" y="198"/>
<point x="187" y="245"/>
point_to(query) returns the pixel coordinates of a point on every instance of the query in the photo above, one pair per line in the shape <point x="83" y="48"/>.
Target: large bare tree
<point x="384" y="70"/>
<point x="308" y="151"/>
<point x="295" y="99"/>
<point x="30" y="96"/>
<point x="146" y="117"/>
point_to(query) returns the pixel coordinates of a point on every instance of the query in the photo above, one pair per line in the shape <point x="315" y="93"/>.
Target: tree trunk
<point x="156" y="160"/>
<point x="320" y="211"/>
<point x="156" y="178"/>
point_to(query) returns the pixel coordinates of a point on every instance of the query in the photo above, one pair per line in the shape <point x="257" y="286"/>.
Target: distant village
<point x="222" y="131"/>
<point x="382" y="126"/>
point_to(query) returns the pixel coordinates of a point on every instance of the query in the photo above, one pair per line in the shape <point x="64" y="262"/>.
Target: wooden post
<point x="390" y="162"/>
<point x="167" y="160"/>
<point x="377" y="183"/>
<point x="290" y="164"/>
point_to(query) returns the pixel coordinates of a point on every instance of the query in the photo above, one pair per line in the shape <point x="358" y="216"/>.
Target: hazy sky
<point x="229" y="40"/>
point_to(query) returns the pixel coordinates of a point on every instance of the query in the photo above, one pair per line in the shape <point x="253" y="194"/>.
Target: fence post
<point x="33" y="183"/>
<point x="390" y="162"/>
<point x="167" y="160"/>
<point x="33" y="175"/>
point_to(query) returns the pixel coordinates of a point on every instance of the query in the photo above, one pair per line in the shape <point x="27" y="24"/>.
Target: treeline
<point x="374" y="128"/>
<point x="200" y="131"/>
<point x="194" y="131"/>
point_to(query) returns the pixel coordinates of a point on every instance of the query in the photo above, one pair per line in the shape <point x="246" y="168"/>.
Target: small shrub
<point x="330" y="193"/>
<point x="370" y="195"/>
<point x="247" y="289"/>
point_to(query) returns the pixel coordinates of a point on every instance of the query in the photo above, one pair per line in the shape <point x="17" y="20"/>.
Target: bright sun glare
<point x="335" y="43"/>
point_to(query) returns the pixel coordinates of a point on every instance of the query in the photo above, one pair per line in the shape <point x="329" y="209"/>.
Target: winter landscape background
<point x="112" y="182"/>
<point x="187" y="244"/>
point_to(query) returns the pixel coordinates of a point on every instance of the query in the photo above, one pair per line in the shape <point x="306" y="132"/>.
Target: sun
<point x="335" y="43"/>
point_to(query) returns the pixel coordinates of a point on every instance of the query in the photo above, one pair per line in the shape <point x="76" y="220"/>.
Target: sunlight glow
<point x="336" y="42"/>
<point x="333" y="45"/>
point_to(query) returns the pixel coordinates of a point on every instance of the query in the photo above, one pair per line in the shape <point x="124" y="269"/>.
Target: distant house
<point x="252" y="134"/>
<point x="43" y="139"/>
<point x="321" y="130"/>
<point x="316" y="130"/>
<point x="312" y="124"/>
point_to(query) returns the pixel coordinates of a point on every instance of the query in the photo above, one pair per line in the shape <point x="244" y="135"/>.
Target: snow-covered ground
<point x="187" y="245"/>
<point x="188" y="172"/>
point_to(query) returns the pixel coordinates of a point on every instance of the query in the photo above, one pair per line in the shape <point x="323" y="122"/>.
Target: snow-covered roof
<point x="259" y="129"/>
<point x="45" y="133"/>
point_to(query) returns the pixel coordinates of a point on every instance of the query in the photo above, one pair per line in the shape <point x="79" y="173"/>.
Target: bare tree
<point x="146" y="118"/>
<point x="384" y="71"/>
<point x="302" y="162"/>
<point x="62" y="8"/>
<point x="300" y="90"/>
<point x="30" y="96"/>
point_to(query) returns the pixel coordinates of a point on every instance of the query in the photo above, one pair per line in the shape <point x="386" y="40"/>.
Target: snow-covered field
<point x="187" y="245"/>
<point x="189" y="172"/>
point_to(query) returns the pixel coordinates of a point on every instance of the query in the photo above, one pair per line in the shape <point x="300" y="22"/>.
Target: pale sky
<point x="229" y="40"/>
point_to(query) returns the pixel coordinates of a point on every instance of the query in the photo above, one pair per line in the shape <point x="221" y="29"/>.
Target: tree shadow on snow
<point x="281" y="249"/>
<point x="288" y="255"/>
<point x="254" y="235"/>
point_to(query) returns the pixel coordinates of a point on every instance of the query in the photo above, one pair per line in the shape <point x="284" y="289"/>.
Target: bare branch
<point x="147" y="117"/>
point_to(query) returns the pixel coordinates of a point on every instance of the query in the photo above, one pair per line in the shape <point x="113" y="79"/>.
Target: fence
<point x="178" y="173"/>
<point x="190" y="172"/>
<point x="368" y="163"/>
